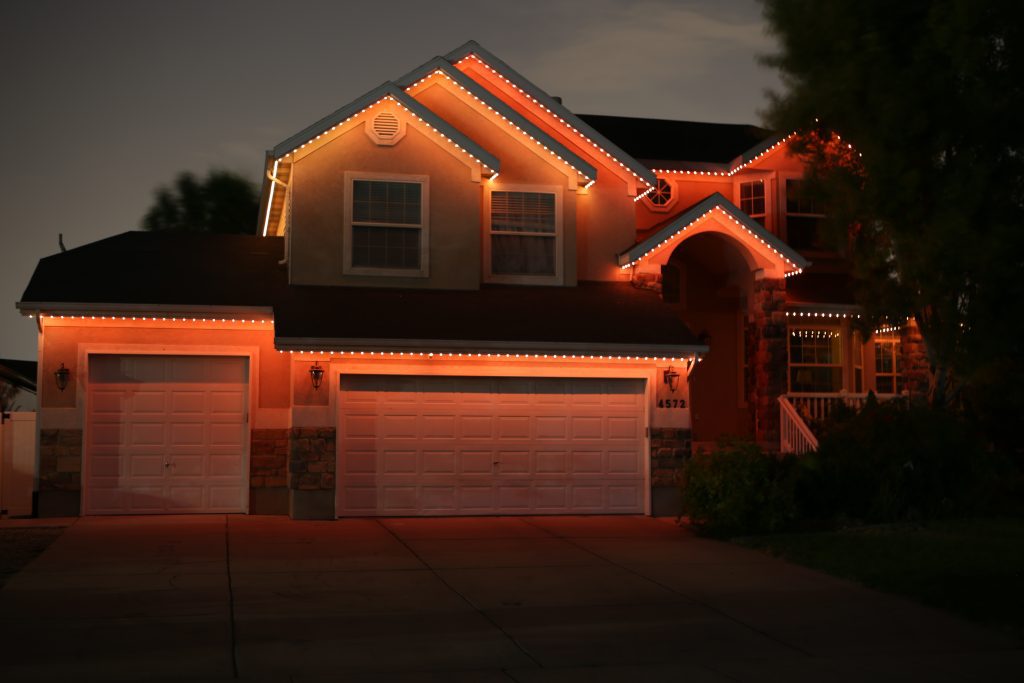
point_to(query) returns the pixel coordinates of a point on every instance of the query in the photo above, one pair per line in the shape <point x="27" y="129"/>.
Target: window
<point x="524" y="240"/>
<point x="888" y="366"/>
<point x="386" y="226"/>
<point x="752" y="200"/>
<point x="815" y="360"/>
<point x="803" y="216"/>
<point x="660" y="197"/>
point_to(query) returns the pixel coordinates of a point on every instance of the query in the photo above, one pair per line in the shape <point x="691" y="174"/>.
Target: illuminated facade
<point x="462" y="299"/>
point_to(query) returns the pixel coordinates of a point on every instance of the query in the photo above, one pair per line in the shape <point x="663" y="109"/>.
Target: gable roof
<point x="388" y="90"/>
<point x="574" y="123"/>
<point x="439" y="65"/>
<point x="793" y="261"/>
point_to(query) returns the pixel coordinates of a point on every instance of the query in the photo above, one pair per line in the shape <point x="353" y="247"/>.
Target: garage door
<point x="166" y="434"/>
<point x="480" y="446"/>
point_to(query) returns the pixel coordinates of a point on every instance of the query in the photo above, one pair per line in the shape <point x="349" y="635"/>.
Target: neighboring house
<point x="464" y="300"/>
<point x="17" y="385"/>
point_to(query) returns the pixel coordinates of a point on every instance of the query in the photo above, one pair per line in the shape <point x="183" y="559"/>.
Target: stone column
<point x="311" y="468"/>
<point x="767" y="358"/>
<point x="916" y="367"/>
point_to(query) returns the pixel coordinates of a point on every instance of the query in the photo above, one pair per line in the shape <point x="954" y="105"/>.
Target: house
<point x="463" y="299"/>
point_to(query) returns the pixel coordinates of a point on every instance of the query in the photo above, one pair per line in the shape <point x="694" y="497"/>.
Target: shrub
<point x="738" y="489"/>
<point x="894" y="462"/>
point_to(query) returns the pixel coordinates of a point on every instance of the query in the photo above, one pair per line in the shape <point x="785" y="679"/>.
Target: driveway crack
<point x="231" y="597"/>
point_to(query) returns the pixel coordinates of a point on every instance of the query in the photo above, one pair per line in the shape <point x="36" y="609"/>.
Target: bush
<point x="738" y="489"/>
<point x="894" y="462"/>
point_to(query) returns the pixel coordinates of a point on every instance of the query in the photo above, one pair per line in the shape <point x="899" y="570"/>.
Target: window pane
<point x="752" y="198"/>
<point x="797" y="200"/>
<point x="803" y="232"/>
<point x="379" y="247"/>
<point x="380" y="201"/>
<point x="815" y="379"/>
<point x="523" y="212"/>
<point x="522" y="255"/>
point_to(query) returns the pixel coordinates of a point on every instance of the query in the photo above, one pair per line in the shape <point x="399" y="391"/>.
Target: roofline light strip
<point x="556" y="116"/>
<point x="820" y="314"/>
<point x="718" y="207"/>
<point x="439" y="72"/>
<point x="155" y="318"/>
<point x="410" y="112"/>
<point x="434" y="355"/>
<point x="270" y="199"/>
<point x="731" y="172"/>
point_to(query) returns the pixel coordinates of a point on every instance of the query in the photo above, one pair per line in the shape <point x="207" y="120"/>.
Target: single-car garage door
<point x="483" y="445"/>
<point x="166" y="434"/>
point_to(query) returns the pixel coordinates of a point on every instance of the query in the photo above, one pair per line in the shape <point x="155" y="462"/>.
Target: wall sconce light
<point x="62" y="374"/>
<point x="316" y="375"/>
<point x="671" y="378"/>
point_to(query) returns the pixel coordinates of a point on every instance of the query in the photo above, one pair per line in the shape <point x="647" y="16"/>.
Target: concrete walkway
<point x="472" y="599"/>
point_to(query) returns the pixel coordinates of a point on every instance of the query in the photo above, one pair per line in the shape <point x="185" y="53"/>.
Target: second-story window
<point x="752" y="200"/>
<point x="524" y="237"/>
<point x="803" y="216"/>
<point x="386" y="226"/>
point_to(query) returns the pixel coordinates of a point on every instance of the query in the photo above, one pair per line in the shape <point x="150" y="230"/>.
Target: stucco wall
<point x="318" y="207"/>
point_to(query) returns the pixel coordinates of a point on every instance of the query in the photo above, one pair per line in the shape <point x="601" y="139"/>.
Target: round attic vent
<point x="386" y="126"/>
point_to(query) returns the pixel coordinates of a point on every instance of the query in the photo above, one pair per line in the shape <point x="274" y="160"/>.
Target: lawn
<point x="19" y="546"/>
<point x="971" y="567"/>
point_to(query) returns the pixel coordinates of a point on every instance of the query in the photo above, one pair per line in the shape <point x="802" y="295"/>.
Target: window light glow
<point x="439" y="72"/>
<point x="565" y="123"/>
<point x="795" y="269"/>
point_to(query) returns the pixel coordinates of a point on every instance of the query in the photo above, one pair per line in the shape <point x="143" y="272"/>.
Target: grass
<point x="19" y="546"/>
<point x="971" y="567"/>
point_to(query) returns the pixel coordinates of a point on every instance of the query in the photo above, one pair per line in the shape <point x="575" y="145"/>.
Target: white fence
<point x="17" y="463"/>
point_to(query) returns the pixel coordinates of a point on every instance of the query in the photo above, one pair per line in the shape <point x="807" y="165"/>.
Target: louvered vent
<point x="385" y="126"/>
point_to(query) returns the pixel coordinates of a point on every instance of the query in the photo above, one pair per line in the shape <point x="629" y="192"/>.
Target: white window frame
<point x="557" y="278"/>
<point x="784" y="206"/>
<point x="838" y="362"/>
<point x="424" y="226"/>
<point x="765" y="195"/>
<point x="667" y="206"/>
<point x="892" y="347"/>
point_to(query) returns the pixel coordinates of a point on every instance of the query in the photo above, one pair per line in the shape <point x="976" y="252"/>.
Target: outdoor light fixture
<point x="316" y="375"/>
<point x="62" y="374"/>
<point x="671" y="378"/>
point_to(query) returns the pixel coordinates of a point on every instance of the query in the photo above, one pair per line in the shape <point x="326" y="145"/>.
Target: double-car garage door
<point x="483" y="446"/>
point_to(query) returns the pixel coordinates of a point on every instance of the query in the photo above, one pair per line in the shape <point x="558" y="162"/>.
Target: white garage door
<point x="166" y="434"/>
<point x="481" y="446"/>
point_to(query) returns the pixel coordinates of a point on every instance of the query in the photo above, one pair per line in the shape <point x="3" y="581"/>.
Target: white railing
<point x="794" y="434"/>
<point x="817" y="407"/>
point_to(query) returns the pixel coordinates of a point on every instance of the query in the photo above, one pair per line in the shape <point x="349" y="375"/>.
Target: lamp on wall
<point x="316" y="375"/>
<point x="62" y="374"/>
<point x="671" y="378"/>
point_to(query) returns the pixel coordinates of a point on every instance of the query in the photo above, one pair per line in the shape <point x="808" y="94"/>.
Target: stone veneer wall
<point x="669" y="447"/>
<point x="916" y="366"/>
<point x="268" y="464"/>
<point x="60" y="460"/>
<point x="311" y="470"/>
<point x="767" y="358"/>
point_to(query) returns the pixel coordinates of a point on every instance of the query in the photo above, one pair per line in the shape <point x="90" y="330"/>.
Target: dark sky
<point x="104" y="101"/>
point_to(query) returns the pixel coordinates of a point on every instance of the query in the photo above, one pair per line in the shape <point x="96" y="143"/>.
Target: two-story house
<point x="463" y="299"/>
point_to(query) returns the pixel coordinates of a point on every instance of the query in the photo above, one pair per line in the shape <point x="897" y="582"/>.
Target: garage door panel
<point x="172" y="427"/>
<point x="489" y="446"/>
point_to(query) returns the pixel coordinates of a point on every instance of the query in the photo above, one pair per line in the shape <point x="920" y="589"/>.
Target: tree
<point x="223" y="202"/>
<point x="928" y="93"/>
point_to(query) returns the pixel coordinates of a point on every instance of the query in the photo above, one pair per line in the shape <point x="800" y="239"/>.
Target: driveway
<point x="458" y="599"/>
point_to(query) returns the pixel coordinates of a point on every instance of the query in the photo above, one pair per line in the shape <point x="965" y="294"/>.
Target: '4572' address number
<point x="671" y="402"/>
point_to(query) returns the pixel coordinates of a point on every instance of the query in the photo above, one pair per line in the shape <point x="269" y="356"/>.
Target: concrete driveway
<point x="467" y="599"/>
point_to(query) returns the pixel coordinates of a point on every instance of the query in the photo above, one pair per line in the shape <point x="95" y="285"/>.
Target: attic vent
<point x="385" y="128"/>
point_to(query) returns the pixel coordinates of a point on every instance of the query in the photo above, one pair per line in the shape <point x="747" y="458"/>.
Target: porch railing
<point x="817" y="407"/>
<point x="794" y="434"/>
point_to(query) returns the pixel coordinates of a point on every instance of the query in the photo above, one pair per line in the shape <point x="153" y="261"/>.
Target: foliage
<point x="929" y="95"/>
<point x="8" y="394"/>
<point x="223" y="202"/>
<point x="895" y="462"/>
<point x="738" y="489"/>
